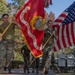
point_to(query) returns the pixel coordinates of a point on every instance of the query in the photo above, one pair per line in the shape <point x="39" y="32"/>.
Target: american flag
<point x="65" y="26"/>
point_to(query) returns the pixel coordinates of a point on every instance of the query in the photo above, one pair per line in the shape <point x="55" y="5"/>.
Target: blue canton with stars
<point x="71" y="14"/>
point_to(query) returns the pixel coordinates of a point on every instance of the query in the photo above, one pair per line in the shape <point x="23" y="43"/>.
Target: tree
<point x="18" y="3"/>
<point x="3" y="8"/>
<point x="3" y="1"/>
<point x="67" y="50"/>
<point x="73" y="51"/>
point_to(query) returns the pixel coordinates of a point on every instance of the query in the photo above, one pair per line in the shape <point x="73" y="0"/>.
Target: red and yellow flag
<point x="26" y="17"/>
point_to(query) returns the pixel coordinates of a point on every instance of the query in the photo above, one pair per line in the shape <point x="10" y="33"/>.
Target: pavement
<point x="20" y="72"/>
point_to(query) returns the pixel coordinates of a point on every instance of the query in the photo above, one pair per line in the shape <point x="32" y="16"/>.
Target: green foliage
<point x="17" y="46"/>
<point x="19" y="3"/>
<point x="3" y="8"/>
<point x="73" y="51"/>
<point x="18" y="56"/>
<point x="67" y="50"/>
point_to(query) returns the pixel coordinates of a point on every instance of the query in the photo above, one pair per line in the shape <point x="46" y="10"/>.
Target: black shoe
<point x="10" y="72"/>
<point x="9" y="69"/>
<point x="24" y="71"/>
<point x="46" y="72"/>
<point x="37" y="71"/>
<point x="28" y="72"/>
<point x="5" y="68"/>
<point x="33" y="71"/>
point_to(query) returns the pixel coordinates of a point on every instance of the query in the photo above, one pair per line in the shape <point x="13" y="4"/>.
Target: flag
<point x="47" y="3"/>
<point x="26" y="17"/>
<point x="65" y="26"/>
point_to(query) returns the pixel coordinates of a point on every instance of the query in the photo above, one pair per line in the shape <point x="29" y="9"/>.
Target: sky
<point x="57" y="7"/>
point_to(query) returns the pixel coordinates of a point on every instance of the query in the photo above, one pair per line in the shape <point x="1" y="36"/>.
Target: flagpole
<point x="6" y="29"/>
<point x="32" y="62"/>
<point x="47" y="41"/>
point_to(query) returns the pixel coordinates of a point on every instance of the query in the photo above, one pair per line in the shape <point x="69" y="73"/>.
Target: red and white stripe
<point x="66" y="36"/>
<point x="60" y="19"/>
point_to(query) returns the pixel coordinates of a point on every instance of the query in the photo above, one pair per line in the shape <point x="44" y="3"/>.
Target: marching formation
<point x="41" y="37"/>
<point x="7" y="48"/>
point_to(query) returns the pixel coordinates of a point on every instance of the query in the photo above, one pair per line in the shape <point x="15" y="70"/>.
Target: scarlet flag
<point x="26" y="17"/>
<point x="47" y="3"/>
